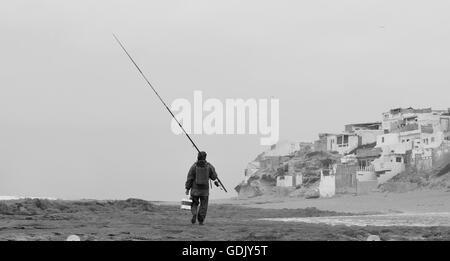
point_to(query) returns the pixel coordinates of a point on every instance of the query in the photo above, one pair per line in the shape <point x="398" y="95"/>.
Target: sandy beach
<point x="230" y="219"/>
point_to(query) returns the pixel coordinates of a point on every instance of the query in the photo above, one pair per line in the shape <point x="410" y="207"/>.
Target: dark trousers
<point x="200" y="212"/>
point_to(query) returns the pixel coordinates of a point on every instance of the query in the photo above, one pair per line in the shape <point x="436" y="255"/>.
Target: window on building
<point x="382" y="139"/>
<point x="432" y="139"/>
<point x="345" y="138"/>
<point x="363" y="164"/>
<point x="339" y="140"/>
<point x="398" y="159"/>
<point x="445" y="124"/>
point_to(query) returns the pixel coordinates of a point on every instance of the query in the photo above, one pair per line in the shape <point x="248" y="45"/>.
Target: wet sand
<point x="394" y="219"/>
<point x="421" y="201"/>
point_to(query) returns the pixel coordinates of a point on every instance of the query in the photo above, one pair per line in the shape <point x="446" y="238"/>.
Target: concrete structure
<point x="442" y="152"/>
<point x="321" y="143"/>
<point x="298" y="181"/>
<point x="342" y="143"/>
<point x="413" y="136"/>
<point x="372" y="153"/>
<point x="388" y="161"/>
<point x="438" y="120"/>
<point x="366" y="174"/>
<point x="395" y="168"/>
<point x="424" y="145"/>
<point x="290" y="180"/>
<point x="368" y="136"/>
<point x="327" y="185"/>
<point x="348" y="159"/>
<point x="409" y="136"/>
<point x="285" y="181"/>
<point x="363" y="126"/>
<point x="423" y="163"/>
<point x="282" y="148"/>
<point x="395" y="149"/>
<point x="445" y="123"/>
<point x="399" y="117"/>
<point x="273" y="162"/>
<point x="345" y="178"/>
<point x="388" y="139"/>
<point x="296" y="174"/>
<point x="366" y="180"/>
<point x="365" y="156"/>
<point x="391" y="143"/>
<point x="432" y="157"/>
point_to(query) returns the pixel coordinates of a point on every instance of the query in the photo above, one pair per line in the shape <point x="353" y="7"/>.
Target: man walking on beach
<point x="198" y="183"/>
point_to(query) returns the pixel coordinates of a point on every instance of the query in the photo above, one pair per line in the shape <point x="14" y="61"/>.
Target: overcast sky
<point x="77" y="121"/>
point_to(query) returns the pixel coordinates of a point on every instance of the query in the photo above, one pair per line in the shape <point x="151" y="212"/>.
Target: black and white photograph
<point x="251" y="121"/>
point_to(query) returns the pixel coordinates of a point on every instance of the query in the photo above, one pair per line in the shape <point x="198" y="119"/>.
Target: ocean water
<point x="16" y="198"/>
<point x="402" y="219"/>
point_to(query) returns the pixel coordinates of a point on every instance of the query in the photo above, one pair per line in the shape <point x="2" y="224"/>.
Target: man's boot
<point x="193" y="219"/>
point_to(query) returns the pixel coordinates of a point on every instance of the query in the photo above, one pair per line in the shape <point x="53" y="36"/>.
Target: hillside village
<point x="408" y="147"/>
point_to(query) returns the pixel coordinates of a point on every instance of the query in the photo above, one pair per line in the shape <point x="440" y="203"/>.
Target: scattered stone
<point x="312" y="194"/>
<point x="373" y="238"/>
<point x="73" y="238"/>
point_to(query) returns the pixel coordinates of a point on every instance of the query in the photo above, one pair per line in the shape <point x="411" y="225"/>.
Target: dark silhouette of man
<point x="198" y="183"/>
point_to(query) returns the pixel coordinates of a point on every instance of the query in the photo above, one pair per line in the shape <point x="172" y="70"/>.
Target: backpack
<point x="202" y="175"/>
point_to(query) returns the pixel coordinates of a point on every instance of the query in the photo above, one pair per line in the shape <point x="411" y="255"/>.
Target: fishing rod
<point x="162" y="101"/>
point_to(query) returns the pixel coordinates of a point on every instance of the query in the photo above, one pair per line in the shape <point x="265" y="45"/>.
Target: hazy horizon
<point x="77" y="120"/>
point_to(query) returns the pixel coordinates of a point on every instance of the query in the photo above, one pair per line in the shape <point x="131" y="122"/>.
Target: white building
<point x="397" y="118"/>
<point x="327" y="185"/>
<point x="285" y="181"/>
<point x="368" y="136"/>
<point x="290" y="180"/>
<point x="424" y="145"/>
<point x="342" y="143"/>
